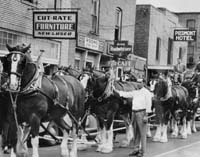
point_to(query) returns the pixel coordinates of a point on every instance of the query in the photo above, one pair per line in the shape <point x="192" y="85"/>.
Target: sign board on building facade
<point x="55" y="25"/>
<point x="90" y="43"/>
<point x="185" y="35"/>
<point x="120" y="48"/>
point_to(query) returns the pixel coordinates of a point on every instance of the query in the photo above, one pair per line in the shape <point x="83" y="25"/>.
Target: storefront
<point x="13" y="38"/>
<point x="88" y="52"/>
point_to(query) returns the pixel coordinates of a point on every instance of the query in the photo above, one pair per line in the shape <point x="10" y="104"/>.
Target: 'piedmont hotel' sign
<point x="185" y="35"/>
<point x="56" y="25"/>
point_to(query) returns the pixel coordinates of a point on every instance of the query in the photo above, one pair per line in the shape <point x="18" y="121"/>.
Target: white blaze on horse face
<point x="84" y="80"/>
<point x="13" y="77"/>
<point x="152" y="85"/>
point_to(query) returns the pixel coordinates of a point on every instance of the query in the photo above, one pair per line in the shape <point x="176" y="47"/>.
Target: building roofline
<point x="157" y="8"/>
<point x="186" y="12"/>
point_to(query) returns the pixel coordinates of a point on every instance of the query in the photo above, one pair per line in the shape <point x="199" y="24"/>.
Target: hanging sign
<point x="185" y="35"/>
<point x="55" y="25"/>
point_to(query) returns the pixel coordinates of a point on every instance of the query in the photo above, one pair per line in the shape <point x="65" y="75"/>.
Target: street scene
<point x="104" y="78"/>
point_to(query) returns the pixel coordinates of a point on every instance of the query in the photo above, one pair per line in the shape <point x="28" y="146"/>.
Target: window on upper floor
<point x="158" y="48"/>
<point x="180" y="54"/>
<point x="118" y="24"/>
<point x="95" y="16"/>
<point x="191" y="23"/>
<point x="170" y="56"/>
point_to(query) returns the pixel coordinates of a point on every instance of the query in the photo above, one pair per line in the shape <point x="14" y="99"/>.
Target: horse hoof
<point x="106" y="150"/>
<point x="163" y="140"/>
<point x="124" y="144"/>
<point x="174" y="135"/>
<point x="99" y="148"/>
<point x="22" y="155"/>
<point x="64" y="155"/>
<point x="155" y="139"/>
<point x="82" y="147"/>
<point x="183" y="136"/>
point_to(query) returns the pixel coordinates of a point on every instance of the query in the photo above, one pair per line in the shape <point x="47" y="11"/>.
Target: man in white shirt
<point x="141" y="105"/>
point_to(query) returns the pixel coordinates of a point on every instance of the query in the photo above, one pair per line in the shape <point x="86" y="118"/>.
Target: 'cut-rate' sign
<point x="185" y="35"/>
<point x="56" y="25"/>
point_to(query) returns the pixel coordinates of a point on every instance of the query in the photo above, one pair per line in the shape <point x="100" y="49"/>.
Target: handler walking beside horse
<point x="140" y="106"/>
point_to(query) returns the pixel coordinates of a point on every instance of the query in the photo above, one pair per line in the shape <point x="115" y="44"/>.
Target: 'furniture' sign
<point x="185" y="35"/>
<point x="55" y="25"/>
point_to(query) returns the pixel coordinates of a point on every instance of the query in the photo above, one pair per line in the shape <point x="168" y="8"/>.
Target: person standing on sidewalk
<point x="141" y="103"/>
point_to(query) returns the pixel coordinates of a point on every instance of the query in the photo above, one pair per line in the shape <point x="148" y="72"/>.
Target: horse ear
<point x="24" y="50"/>
<point x="9" y="47"/>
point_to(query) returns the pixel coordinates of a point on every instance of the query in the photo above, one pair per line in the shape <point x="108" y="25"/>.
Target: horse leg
<point x="188" y="125"/>
<point x="64" y="151"/>
<point x="129" y="131"/>
<point x="108" y="147"/>
<point x="1" y="151"/>
<point x="73" y="151"/>
<point x="157" y="135"/>
<point x="194" y="124"/>
<point x="35" y="126"/>
<point x="101" y="137"/>
<point x="175" y="128"/>
<point x="184" y="128"/>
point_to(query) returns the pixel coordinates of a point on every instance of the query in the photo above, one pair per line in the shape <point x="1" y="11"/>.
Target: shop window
<point x="77" y="64"/>
<point x="180" y="55"/>
<point x="88" y="65"/>
<point x="118" y="24"/>
<point x="8" y="38"/>
<point x="190" y="50"/>
<point x="95" y="16"/>
<point x="170" y="46"/>
<point x="158" y="46"/>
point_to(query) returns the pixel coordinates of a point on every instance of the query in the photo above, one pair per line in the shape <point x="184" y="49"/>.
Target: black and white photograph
<point x="103" y="78"/>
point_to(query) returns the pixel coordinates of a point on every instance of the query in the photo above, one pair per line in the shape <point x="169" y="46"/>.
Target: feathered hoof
<point x="73" y="154"/>
<point x="106" y="150"/>
<point x="124" y="144"/>
<point x="156" y="139"/>
<point x="162" y="140"/>
<point x="99" y="148"/>
<point x="82" y="147"/>
<point x="183" y="136"/>
<point x="174" y="135"/>
<point x="149" y="135"/>
<point x="64" y="155"/>
<point x="22" y="155"/>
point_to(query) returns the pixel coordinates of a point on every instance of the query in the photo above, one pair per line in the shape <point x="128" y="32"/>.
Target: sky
<point x="174" y="5"/>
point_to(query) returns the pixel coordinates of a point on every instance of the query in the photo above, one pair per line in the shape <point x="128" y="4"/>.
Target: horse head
<point x="160" y="89"/>
<point x="14" y="64"/>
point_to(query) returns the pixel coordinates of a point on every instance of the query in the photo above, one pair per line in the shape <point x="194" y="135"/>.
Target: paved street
<point x="174" y="148"/>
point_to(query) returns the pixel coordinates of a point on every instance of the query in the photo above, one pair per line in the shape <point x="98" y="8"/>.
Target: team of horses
<point x="69" y="92"/>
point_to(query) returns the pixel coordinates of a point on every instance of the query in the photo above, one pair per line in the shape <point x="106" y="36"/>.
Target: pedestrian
<point x="179" y="70"/>
<point x="141" y="104"/>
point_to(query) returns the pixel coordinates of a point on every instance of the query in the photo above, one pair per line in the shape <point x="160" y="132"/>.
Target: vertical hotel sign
<point x="55" y="25"/>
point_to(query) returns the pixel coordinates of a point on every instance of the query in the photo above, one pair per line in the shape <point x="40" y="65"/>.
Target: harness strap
<point x="65" y="84"/>
<point x="56" y="98"/>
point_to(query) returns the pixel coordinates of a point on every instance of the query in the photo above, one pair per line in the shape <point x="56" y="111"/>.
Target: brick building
<point x="154" y="38"/>
<point x="191" y="20"/>
<point x="99" y="24"/>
